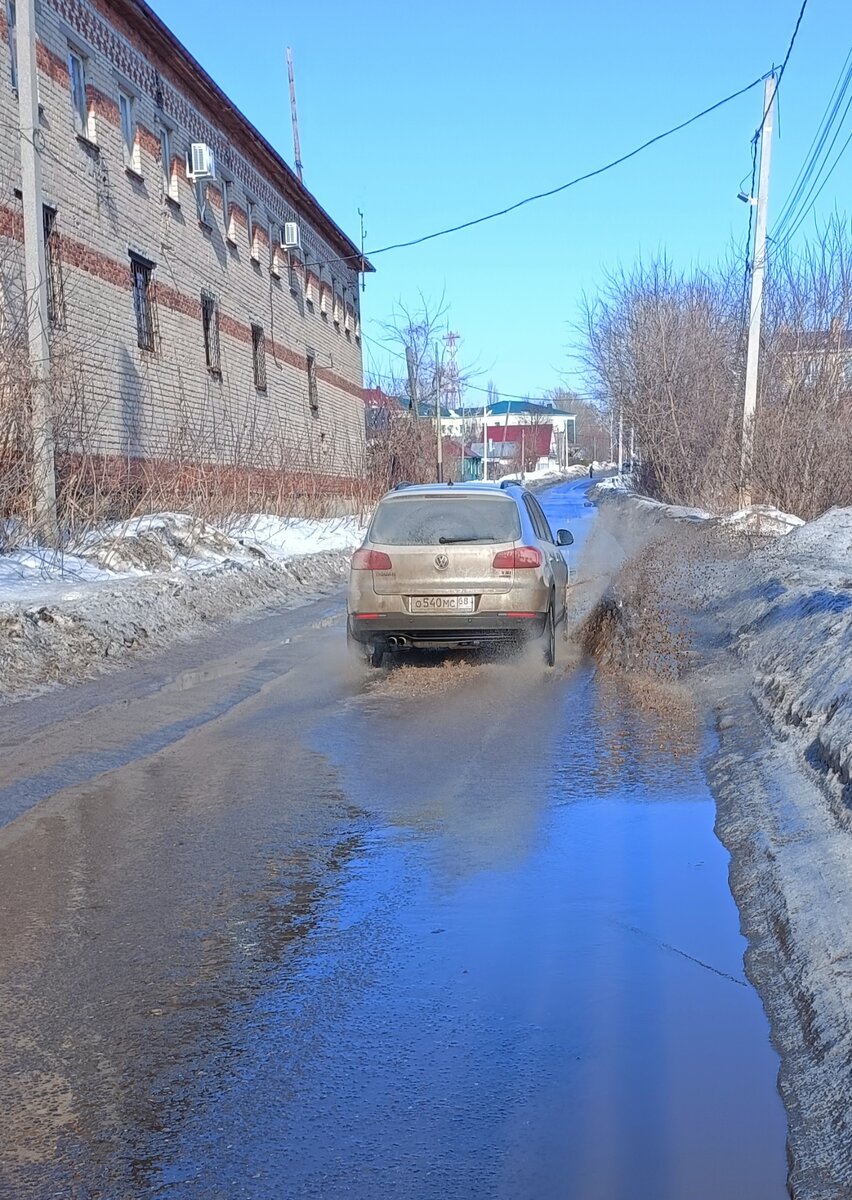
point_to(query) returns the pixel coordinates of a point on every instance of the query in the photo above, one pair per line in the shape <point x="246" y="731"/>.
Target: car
<point x="456" y="566"/>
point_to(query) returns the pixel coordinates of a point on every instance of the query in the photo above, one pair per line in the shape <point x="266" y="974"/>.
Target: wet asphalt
<point x="270" y="927"/>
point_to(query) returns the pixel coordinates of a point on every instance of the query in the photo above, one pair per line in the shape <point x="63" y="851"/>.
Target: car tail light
<point x="521" y="559"/>
<point x="370" y="560"/>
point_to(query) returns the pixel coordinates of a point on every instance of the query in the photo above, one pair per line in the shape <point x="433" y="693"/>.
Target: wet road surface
<point x="272" y="928"/>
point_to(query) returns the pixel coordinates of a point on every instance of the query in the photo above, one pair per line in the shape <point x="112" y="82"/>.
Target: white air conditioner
<point x="201" y="161"/>
<point x="292" y="240"/>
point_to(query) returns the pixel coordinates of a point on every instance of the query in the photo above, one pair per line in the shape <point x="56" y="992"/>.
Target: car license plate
<point x="439" y="604"/>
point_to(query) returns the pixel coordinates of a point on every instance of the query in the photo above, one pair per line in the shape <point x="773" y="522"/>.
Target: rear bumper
<point x="425" y="630"/>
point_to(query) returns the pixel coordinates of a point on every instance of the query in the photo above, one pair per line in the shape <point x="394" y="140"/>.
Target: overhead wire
<point x="826" y="122"/>
<point x="562" y="187"/>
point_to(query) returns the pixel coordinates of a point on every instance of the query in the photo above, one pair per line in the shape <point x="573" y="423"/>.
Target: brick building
<point x="186" y="332"/>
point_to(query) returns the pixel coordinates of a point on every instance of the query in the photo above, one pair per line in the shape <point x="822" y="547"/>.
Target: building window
<point x="313" y="395"/>
<point x="53" y="271"/>
<point x="309" y="283"/>
<point x="201" y="203"/>
<point x="251" y="224"/>
<point x="127" y="113"/>
<point x="275" y="240"/>
<point x="79" y="100"/>
<point x="210" y="326"/>
<point x="291" y="271"/>
<point x="141" y="274"/>
<point x="169" y="178"/>
<point x="227" y="221"/>
<point x="258" y="355"/>
<point x="12" y="23"/>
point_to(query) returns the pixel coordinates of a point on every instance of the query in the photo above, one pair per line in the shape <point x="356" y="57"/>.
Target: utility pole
<point x="363" y="237"/>
<point x="632" y="446"/>
<point x="44" y="465"/>
<point x="758" y="269"/>
<point x="438" y="416"/>
<point x="412" y="381"/>
<point x="620" y="439"/>
<point x="485" y="439"/>
<point x="294" y="115"/>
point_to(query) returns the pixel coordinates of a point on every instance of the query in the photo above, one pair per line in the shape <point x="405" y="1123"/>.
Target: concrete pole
<point x="43" y="465"/>
<point x="620" y="439"/>
<point x="485" y="439"/>
<point x="758" y="269"/>
<point x="632" y="447"/>
<point x="438" y="416"/>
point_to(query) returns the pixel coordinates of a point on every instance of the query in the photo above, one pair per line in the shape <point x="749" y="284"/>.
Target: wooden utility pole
<point x="758" y="269"/>
<point x="43" y="454"/>
<point x="294" y="114"/>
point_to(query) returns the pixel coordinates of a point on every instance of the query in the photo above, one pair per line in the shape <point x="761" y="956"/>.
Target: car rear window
<point x="429" y="520"/>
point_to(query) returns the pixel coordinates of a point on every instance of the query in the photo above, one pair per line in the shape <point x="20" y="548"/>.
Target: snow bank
<point x="763" y="520"/>
<point x="147" y="581"/>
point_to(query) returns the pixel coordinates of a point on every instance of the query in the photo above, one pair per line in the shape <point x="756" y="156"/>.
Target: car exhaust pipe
<point x="397" y="643"/>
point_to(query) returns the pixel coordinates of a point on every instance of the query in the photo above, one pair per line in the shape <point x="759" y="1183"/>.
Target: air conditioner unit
<point x="292" y="240"/>
<point x="201" y="162"/>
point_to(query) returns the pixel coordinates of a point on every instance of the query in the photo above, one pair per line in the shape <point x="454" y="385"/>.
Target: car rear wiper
<point x="451" y="541"/>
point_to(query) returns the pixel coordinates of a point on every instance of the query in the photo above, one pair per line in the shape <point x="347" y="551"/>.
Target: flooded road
<point x="271" y="928"/>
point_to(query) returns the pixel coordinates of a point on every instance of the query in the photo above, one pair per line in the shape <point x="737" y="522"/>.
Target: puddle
<point x="530" y="984"/>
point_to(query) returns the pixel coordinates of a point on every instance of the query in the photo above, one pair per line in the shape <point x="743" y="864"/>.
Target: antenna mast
<point x="297" y="150"/>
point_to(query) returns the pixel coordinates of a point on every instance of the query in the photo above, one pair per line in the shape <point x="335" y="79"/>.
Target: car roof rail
<point x="507" y="483"/>
<point x="397" y="487"/>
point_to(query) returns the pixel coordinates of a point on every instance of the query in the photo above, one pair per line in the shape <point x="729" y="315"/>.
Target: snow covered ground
<point x="165" y="542"/>
<point x="146" y="582"/>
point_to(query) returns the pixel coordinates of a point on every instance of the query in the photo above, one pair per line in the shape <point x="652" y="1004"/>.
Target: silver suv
<point x="448" y="566"/>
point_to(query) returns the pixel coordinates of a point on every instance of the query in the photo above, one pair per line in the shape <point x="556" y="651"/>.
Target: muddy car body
<point x="448" y="566"/>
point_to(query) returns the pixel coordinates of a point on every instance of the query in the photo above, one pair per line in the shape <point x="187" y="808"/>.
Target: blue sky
<point x="427" y="115"/>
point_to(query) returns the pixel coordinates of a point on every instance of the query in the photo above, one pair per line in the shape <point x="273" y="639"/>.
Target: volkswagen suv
<point x="450" y="566"/>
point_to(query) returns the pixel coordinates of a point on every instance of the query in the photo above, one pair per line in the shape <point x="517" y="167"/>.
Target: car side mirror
<point x="565" y="538"/>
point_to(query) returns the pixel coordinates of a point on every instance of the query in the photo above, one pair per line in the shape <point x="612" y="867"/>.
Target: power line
<point x="783" y="67"/>
<point x="502" y="212"/>
<point x="804" y="212"/>
<point x="823" y="131"/>
<point x="474" y="387"/>
<point x="562" y="187"/>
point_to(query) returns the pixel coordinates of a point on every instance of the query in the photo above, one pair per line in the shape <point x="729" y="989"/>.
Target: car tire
<point x="549" y="636"/>
<point x="363" y="653"/>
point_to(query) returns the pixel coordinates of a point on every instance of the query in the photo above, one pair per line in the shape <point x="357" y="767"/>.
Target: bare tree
<point x="666" y="349"/>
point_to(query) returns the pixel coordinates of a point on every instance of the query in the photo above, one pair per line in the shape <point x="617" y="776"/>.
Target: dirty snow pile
<point x="146" y="581"/>
<point x="760" y="519"/>
<point x="790" y="618"/>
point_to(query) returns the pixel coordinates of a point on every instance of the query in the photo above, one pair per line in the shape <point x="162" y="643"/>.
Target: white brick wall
<point x="167" y="402"/>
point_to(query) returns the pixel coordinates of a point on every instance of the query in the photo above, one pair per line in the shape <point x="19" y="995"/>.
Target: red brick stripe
<point x="52" y="65"/>
<point x="101" y="266"/>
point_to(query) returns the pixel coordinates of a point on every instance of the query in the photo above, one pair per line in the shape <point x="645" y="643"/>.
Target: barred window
<point x="53" y="271"/>
<point x="141" y="274"/>
<point x="210" y="326"/>
<point x="258" y="354"/>
<point x="313" y="395"/>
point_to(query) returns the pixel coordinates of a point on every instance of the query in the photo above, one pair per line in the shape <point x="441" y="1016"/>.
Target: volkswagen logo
<point x="441" y="562"/>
